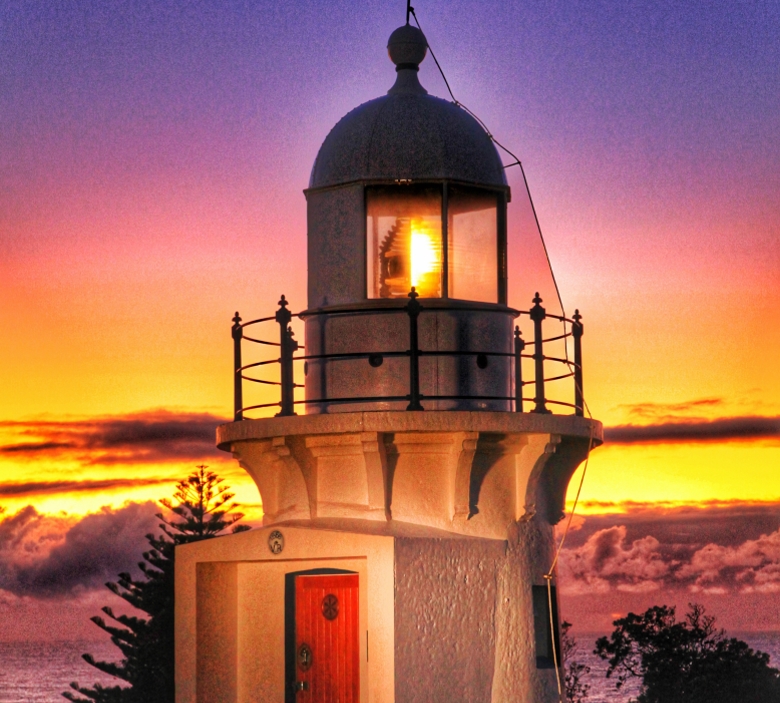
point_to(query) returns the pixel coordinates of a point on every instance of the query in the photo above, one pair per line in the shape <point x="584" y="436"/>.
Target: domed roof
<point x="407" y="134"/>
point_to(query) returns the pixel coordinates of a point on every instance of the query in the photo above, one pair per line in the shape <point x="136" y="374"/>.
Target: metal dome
<point x="407" y="134"/>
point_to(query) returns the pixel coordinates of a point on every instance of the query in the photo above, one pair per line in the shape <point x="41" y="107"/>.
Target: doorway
<point x="322" y="659"/>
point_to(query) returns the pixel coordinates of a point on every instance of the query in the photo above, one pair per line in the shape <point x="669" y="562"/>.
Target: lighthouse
<point x="410" y="459"/>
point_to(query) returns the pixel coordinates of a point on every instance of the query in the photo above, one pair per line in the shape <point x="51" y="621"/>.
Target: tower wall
<point x="443" y="617"/>
<point x="446" y="517"/>
<point x="472" y="328"/>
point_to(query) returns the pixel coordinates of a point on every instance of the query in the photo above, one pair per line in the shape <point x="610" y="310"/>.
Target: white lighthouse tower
<point x="409" y="490"/>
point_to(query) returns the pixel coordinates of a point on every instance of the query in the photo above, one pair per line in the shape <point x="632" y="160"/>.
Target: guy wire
<point x="516" y="162"/>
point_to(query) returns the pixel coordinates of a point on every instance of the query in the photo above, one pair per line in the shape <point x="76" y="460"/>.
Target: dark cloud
<point x="154" y="436"/>
<point x="728" y="549"/>
<point x="51" y="556"/>
<point x="661" y="410"/>
<point x="34" y="447"/>
<point x="732" y="428"/>
<point x="86" y="486"/>
<point x="727" y="523"/>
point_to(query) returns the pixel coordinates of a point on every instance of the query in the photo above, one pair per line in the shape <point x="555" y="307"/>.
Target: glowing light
<point x="425" y="254"/>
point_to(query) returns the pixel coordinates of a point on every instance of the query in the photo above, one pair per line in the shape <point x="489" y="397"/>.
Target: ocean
<point x="38" y="672"/>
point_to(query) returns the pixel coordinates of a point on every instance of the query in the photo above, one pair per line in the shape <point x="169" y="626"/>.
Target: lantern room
<point x="407" y="193"/>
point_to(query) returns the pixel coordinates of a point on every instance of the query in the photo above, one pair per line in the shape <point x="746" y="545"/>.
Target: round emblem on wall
<point x="305" y="657"/>
<point x="276" y="542"/>
<point x="330" y="607"/>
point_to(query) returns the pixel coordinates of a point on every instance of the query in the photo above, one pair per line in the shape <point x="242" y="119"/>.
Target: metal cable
<point x="548" y="577"/>
<point x="516" y="162"/>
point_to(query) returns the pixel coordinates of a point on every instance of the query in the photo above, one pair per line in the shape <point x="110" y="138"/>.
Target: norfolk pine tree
<point x="203" y="508"/>
<point x="686" y="661"/>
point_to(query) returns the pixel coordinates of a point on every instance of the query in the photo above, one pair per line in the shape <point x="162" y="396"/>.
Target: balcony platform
<point x="467" y="472"/>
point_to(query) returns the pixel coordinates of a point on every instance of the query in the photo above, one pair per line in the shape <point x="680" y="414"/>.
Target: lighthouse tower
<point x="414" y="471"/>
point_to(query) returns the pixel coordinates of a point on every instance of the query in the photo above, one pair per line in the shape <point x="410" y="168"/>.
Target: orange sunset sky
<point x="152" y="162"/>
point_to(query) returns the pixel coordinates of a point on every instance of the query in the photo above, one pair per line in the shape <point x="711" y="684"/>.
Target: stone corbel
<point x="292" y="492"/>
<point x="546" y="493"/>
<point x="531" y="488"/>
<point x="299" y="452"/>
<point x="491" y="452"/>
<point x="377" y="479"/>
<point x="464" y="448"/>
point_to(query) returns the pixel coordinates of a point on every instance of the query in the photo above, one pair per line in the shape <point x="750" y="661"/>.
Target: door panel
<point x="327" y="657"/>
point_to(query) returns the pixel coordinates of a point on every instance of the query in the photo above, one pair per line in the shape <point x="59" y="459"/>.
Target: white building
<point x="409" y="510"/>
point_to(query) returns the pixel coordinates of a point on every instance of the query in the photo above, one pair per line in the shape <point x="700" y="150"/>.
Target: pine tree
<point x="204" y="509"/>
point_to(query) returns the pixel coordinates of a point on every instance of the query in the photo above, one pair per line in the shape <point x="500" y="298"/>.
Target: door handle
<point x="301" y="686"/>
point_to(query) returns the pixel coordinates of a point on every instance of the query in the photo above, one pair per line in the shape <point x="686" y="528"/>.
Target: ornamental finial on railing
<point x="283" y="315"/>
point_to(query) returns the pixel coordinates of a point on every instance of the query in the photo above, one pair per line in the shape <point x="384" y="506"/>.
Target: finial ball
<point x="407" y="46"/>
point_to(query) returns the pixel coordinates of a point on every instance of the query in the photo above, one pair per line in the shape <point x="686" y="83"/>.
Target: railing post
<point x="519" y="347"/>
<point x="237" y="332"/>
<point x="538" y="314"/>
<point x="288" y="346"/>
<point x="577" y="330"/>
<point x="413" y="309"/>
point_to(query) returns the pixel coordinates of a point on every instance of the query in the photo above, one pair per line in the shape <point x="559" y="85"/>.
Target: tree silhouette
<point x="204" y="508"/>
<point x="687" y="661"/>
<point x="576" y="689"/>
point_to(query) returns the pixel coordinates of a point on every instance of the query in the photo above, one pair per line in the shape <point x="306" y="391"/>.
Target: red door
<point x="327" y="660"/>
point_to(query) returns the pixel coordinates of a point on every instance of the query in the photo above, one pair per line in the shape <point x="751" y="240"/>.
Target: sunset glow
<point x="151" y="174"/>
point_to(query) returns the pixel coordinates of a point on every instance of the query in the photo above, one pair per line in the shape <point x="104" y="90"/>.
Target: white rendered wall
<point x="230" y="612"/>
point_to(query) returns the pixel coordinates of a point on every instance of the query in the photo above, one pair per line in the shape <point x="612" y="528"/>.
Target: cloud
<point x="606" y="561"/>
<point x="34" y="447"/>
<point x="752" y="566"/>
<point x="728" y="549"/>
<point x="46" y="556"/>
<point x="86" y="486"/>
<point x="665" y="410"/>
<point x="721" y="522"/>
<point x="725" y="429"/>
<point x="151" y="436"/>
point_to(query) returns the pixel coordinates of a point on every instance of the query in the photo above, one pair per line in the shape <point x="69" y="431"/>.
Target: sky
<point x="152" y="161"/>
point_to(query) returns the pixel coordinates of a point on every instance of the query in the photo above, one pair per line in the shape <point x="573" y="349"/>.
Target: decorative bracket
<point x="375" y="456"/>
<point x="464" y="448"/>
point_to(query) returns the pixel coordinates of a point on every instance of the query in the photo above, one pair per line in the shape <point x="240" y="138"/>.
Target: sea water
<point x="38" y="672"/>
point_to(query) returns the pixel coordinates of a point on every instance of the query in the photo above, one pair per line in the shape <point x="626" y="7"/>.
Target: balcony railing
<point x="288" y="347"/>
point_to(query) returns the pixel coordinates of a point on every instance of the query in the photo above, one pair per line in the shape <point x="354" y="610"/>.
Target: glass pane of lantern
<point x="473" y="245"/>
<point x="403" y="241"/>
